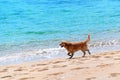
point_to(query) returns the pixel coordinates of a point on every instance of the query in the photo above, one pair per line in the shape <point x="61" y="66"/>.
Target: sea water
<point x="33" y="29"/>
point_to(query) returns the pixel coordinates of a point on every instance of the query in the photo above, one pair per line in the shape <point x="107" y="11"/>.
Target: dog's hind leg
<point x="84" y="53"/>
<point x="89" y="52"/>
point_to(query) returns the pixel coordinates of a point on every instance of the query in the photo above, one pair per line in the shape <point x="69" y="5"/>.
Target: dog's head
<point x="64" y="44"/>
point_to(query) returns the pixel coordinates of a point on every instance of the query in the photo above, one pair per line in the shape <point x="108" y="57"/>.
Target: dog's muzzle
<point x="61" y="45"/>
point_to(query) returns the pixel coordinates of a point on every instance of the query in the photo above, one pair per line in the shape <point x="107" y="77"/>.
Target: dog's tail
<point x="87" y="40"/>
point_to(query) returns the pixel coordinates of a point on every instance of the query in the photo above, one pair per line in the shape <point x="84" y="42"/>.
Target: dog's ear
<point x="67" y="44"/>
<point x="64" y="44"/>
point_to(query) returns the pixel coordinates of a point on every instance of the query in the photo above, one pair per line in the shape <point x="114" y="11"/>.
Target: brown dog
<point x="73" y="47"/>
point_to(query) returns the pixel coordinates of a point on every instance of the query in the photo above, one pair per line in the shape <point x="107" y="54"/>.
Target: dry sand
<point x="103" y="66"/>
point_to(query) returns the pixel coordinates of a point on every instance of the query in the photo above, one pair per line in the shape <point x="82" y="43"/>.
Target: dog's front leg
<point x="71" y="55"/>
<point x="68" y="54"/>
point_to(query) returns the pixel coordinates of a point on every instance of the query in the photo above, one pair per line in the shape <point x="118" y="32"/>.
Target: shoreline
<point x="49" y="54"/>
<point x="95" y="67"/>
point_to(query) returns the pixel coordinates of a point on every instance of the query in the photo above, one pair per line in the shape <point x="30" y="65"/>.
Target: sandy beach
<point x="102" y="66"/>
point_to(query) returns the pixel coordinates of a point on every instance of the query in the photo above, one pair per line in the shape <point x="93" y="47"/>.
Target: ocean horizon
<point x="33" y="29"/>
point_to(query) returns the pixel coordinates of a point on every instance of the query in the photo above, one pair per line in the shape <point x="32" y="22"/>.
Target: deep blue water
<point x="31" y="25"/>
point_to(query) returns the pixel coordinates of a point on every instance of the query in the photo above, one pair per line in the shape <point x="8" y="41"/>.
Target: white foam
<point x="32" y="55"/>
<point x="41" y="54"/>
<point x="105" y="43"/>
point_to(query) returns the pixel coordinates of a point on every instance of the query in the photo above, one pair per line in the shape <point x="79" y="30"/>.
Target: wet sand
<point x="102" y="66"/>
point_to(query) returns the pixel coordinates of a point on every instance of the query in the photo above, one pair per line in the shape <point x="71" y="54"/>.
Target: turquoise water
<point x="30" y="26"/>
